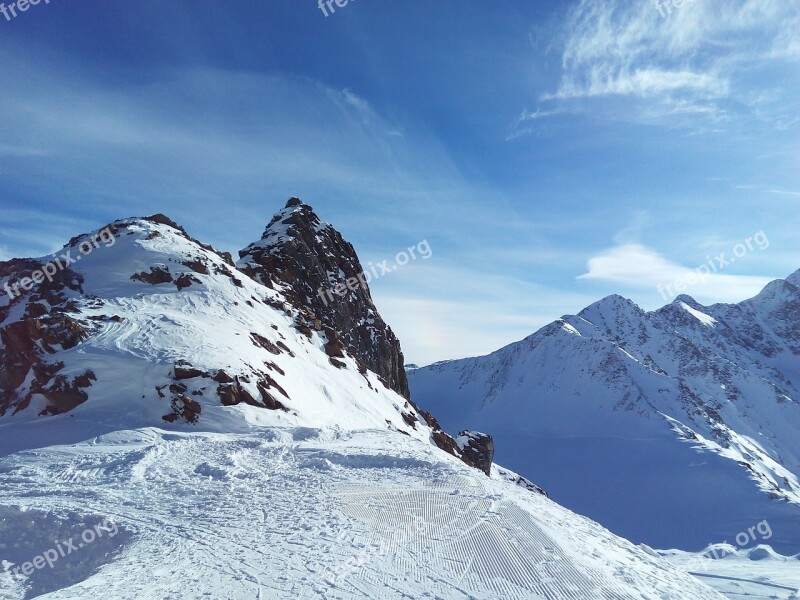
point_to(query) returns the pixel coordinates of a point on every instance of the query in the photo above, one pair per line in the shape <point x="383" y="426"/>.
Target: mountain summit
<point x="316" y="268"/>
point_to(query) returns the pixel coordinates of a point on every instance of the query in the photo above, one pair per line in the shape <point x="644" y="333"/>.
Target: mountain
<point x="309" y="260"/>
<point x="174" y="424"/>
<point x="688" y="412"/>
<point x="150" y="326"/>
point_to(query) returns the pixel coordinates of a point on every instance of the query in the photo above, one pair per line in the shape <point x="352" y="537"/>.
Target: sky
<point x="548" y="153"/>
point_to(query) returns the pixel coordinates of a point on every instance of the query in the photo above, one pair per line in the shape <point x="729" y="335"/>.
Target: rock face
<point x="478" y="449"/>
<point x="320" y="274"/>
<point x="44" y="328"/>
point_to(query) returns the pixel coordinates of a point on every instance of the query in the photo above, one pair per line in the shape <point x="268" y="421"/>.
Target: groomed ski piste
<point x="300" y="513"/>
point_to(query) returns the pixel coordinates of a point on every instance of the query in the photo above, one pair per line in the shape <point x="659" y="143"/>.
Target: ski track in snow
<point x="303" y="513"/>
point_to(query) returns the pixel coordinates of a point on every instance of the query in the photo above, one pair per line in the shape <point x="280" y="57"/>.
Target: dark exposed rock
<point x="334" y="349"/>
<point x="478" y="448"/>
<point x="184" y="372"/>
<point x="448" y="444"/>
<point x="183" y="407"/>
<point x="529" y="485"/>
<point x="284" y="347"/>
<point x="307" y="257"/>
<point x="197" y="265"/>
<point x="62" y="396"/>
<point x="429" y="419"/>
<point x="156" y="276"/>
<point x="410" y="420"/>
<point x="269" y="400"/>
<point x="25" y="344"/>
<point x="273" y="367"/>
<point x="35" y="310"/>
<point x="261" y="341"/>
<point x="85" y="380"/>
<point x="191" y="409"/>
<point x="268" y="382"/>
<point x="185" y="280"/>
<point x="304" y="329"/>
<point x="222" y="377"/>
<point x="233" y="394"/>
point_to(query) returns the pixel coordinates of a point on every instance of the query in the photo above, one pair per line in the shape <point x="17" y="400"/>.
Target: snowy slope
<point x="304" y="513"/>
<point x="170" y="428"/>
<point x="135" y="335"/>
<point x="688" y="412"/>
<point x="757" y="573"/>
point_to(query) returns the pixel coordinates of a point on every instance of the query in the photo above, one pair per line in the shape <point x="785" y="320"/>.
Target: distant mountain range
<point x="689" y="412"/>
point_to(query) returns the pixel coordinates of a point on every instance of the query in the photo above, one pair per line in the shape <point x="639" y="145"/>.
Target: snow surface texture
<point x="305" y="513"/>
<point x="677" y="428"/>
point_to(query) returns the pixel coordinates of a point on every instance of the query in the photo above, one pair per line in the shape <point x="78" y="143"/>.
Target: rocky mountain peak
<point x="688" y="300"/>
<point x="319" y="271"/>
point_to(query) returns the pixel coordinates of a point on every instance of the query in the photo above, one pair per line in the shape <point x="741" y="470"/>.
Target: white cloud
<point x="639" y="267"/>
<point x="642" y="82"/>
<point x="487" y="311"/>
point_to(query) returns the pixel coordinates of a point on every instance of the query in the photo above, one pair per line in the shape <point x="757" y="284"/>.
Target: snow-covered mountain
<point x="690" y="413"/>
<point x="158" y="327"/>
<point x="174" y="424"/>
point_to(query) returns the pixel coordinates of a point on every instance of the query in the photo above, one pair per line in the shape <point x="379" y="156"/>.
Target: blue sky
<point x="551" y="153"/>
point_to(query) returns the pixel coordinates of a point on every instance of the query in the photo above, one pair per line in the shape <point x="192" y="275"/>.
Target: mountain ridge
<point x="729" y="375"/>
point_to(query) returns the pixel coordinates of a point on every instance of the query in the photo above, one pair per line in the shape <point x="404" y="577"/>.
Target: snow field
<point x="304" y="513"/>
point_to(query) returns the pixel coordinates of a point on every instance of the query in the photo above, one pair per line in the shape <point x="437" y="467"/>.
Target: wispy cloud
<point x="210" y="146"/>
<point x="699" y="63"/>
<point x="766" y="188"/>
<point x="785" y="193"/>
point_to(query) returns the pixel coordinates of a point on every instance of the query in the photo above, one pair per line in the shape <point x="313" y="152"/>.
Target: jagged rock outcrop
<point x="44" y="328"/>
<point x="319" y="271"/>
<point x="478" y="448"/>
